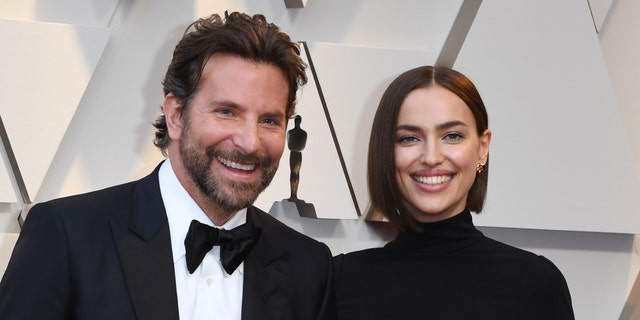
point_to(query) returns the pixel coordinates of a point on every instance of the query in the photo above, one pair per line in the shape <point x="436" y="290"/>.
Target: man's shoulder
<point x="279" y="231"/>
<point x="302" y="252"/>
<point x="109" y="201"/>
<point x="93" y="198"/>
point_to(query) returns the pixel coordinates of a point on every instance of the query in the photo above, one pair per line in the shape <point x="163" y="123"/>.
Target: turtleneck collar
<point x="442" y="236"/>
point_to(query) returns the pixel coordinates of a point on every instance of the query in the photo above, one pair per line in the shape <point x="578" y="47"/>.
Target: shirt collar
<point x="181" y="209"/>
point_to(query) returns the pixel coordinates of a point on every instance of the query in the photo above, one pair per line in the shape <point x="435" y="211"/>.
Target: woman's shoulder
<point x="543" y="280"/>
<point x="538" y="268"/>
<point x="492" y="247"/>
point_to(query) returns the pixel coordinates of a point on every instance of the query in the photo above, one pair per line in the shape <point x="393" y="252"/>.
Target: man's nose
<point x="247" y="139"/>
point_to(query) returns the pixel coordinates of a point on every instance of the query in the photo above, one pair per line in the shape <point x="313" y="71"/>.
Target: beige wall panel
<point x="46" y="68"/>
<point x="560" y="157"/>
<point x="95" y="13"/>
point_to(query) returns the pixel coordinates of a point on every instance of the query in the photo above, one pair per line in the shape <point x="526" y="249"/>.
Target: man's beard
<point x="228" y="195"/>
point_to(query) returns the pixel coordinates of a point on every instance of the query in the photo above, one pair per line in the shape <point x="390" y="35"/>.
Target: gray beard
<point x="229" y="196"/>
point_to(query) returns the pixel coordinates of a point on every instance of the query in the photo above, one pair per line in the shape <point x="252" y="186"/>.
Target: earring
<point x="480" y="167"/>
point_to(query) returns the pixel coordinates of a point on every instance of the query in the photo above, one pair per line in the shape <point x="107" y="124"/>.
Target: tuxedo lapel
<point x="267" y="285"/>
<point x="144" y="249"/>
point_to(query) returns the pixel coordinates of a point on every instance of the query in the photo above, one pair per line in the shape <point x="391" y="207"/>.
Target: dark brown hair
<point x="384" y="191"/>
<point x="240" y="35"/>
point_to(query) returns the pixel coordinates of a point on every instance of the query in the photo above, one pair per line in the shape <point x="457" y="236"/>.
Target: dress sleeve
<point x="551" y="291"/>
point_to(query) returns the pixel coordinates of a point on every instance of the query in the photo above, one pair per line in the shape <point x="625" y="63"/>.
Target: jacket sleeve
<point x="35" y="284"/>
<point x="328" y="308"/>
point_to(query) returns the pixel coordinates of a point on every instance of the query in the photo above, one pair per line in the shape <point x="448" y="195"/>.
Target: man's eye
<point x="271" y="121"/>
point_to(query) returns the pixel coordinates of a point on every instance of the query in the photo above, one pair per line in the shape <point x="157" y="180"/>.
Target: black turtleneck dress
<point x="450" y="271"/>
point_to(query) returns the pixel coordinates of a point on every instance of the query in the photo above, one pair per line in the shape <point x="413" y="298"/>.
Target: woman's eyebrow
<point x="440" y="126"/>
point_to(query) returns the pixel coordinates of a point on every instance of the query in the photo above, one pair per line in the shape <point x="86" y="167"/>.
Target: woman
<point x="427" y="171"/>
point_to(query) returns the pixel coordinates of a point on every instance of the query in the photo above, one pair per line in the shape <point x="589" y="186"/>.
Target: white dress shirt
<point x="208" y="293"/>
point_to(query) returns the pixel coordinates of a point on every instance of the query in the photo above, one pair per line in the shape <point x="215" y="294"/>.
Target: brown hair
<point x="240" y="35"/>
<point x="384" y="191"/>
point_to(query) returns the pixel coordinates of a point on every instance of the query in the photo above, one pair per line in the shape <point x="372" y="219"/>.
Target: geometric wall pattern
<point x="560" y="157"/>
<point x="585" y="170"/>
<point x="48" y="52"/>
<point x="547" y="165"/>
<point x="321" y="165"/>
<point x="45" y="70"/>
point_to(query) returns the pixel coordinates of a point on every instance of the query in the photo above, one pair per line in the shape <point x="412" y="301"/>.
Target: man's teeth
<point x="433" y="180"/>
<point x="235" y="165"/>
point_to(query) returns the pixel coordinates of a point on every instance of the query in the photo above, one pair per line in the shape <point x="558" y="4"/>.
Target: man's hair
<point x="240" y="35"/>
<point x="384" y="192"/>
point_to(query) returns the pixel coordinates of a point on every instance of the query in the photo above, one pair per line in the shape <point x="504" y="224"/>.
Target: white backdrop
<point x="565" y="150"/>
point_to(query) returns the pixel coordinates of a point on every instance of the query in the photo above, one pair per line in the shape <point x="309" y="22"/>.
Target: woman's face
<point x="437" y="149"/>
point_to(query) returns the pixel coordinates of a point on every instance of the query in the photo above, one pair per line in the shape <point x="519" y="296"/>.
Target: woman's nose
<point x="431" y="153"/>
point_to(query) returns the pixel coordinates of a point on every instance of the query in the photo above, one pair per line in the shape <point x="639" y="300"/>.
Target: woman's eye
<point x="407" y="139"/>
<point x="453" y="136"/>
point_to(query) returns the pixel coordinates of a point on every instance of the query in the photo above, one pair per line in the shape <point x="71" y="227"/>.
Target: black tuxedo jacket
<point x="107" y="255"/>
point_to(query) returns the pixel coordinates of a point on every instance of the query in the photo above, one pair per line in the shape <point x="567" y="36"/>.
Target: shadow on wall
<point x="561" y="240"/>
<point x="631" y="308"/>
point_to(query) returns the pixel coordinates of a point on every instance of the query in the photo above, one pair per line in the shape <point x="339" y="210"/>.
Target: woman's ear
<point x="173" y="115"/>
<point x="485" y="141"/>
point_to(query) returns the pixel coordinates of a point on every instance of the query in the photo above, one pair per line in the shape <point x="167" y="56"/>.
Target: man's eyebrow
<point x="224" y="103"/>
<point x="276" y="114"/>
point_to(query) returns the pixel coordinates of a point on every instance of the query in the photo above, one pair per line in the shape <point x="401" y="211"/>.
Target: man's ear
<point x="172" y="108"/>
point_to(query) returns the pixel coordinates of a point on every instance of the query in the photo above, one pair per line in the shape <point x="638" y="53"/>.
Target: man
<point x="125" y="252"/>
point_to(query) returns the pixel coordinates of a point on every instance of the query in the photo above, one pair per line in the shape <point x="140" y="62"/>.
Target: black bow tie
<point x="235" y="244"/>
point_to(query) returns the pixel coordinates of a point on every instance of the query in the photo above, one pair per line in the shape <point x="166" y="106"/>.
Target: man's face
<point x="234" y="131"/>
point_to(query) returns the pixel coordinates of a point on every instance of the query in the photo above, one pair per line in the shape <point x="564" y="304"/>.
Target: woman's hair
<point x="240" y="35"/>
<point x="384" y="192"/>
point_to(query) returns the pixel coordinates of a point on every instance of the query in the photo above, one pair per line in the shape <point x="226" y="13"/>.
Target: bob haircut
<point x="384" y="191"/>
<point x="241" y="35"/>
